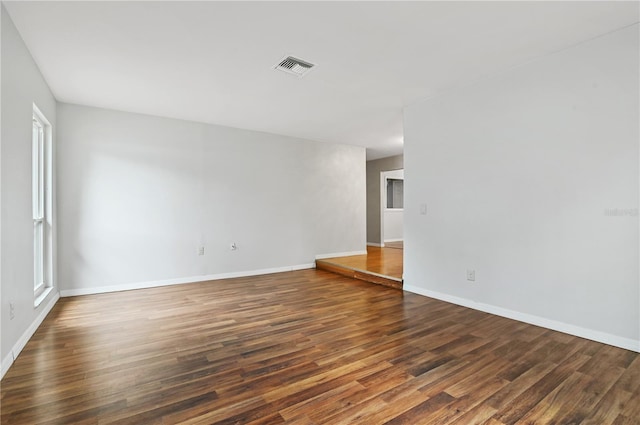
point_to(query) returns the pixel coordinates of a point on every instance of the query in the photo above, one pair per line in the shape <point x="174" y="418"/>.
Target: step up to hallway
<point x="355" y="273"/>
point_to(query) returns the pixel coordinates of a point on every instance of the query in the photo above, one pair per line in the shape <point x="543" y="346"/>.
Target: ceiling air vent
<point x="294" y="66"/>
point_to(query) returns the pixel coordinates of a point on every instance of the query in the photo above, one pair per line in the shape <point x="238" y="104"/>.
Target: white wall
<point x="518" y="173"/>
<point x="393" y="221"/>
<point x="139" y="194"/>
<point x="22" y="85"/>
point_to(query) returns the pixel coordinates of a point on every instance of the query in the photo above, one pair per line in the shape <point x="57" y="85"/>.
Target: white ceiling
<point x="212" y="61"/>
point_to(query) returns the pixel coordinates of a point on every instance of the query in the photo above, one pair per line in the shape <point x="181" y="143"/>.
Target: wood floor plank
<point x="551" y="408"/>
<point x="608" y="408"/>
<point x="420" y="413"/>
<point x="307" y="347"/>
<point x="383" y="261"/>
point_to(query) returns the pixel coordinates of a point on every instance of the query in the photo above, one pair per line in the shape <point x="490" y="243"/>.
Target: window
<point x="40" y="142"/>
<point x="395" y="195"/>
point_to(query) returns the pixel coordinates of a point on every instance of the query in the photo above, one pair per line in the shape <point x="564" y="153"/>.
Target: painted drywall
<point x="2" y="356"/>
<point x="393" y="221"/>
<point x="374" y="168"/>
<point x="531" y="179"/>
<point x="22" y="86"/>
<point x="138" y="196"/>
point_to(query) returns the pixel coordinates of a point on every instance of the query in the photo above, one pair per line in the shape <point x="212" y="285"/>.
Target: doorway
<point x="392" y="209"/>
<point x="383" y="262"/>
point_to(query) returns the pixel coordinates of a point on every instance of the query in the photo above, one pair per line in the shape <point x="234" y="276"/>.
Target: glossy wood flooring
<point x="384" y="261"/>
<point x="379" y="265"/>
<point x="308" y="347"/>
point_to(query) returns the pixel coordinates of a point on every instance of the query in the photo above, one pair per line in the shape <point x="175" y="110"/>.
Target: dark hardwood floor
<point x="308" y="347"/>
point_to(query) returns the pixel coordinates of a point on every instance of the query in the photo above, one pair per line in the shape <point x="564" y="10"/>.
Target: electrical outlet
<point x="233" y="246"/>
<point x="471" y="275"/>
<point x="12" y="310"/>
<point x="201" y="250"/>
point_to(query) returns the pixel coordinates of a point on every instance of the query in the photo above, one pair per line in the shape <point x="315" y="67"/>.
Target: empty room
<point x="311" y="213"/>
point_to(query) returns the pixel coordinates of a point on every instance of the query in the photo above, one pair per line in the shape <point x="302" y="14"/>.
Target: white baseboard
<point x="26" y="336"/>
<point x="394" y="240"/>
<point x="179" y="281"/>
<point x="340" y="254"/>
<point x="598" y="336"/>
<point x="379" y="245"/>
<point x="6" y="364"/>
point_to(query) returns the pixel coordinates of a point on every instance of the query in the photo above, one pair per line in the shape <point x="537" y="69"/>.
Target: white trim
<point x="598" y="336"/>
<point x="43" y="296"/>
<point x="26" y="336"/>
<point x="340" y="254"/>
<point x="394" y="240"/>
<point x="383" y="203"/>
<point x="6" y="364"/>
<point x="46" y="216"/>
<point x="379" y="245"/>
<point x="180" y="281"/>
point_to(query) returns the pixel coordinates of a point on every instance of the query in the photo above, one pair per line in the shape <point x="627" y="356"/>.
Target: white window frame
<point x="386" y="198"/>
<point x="41" y="166"/>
